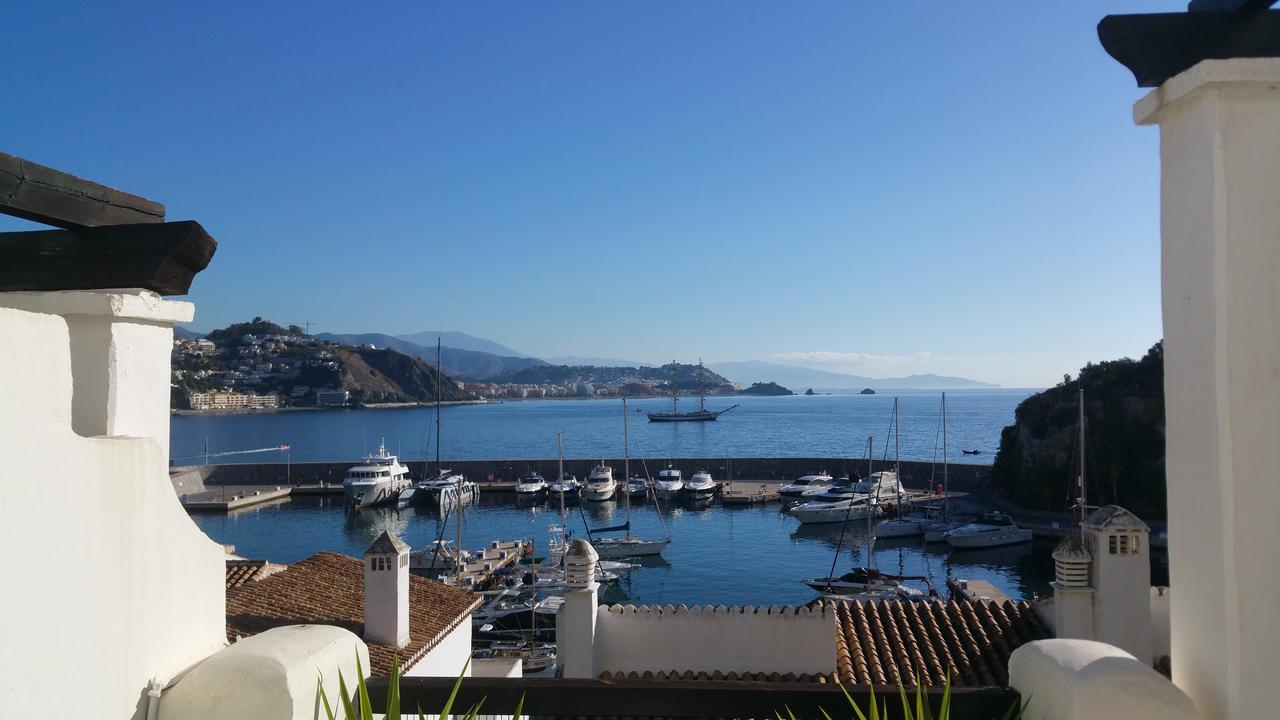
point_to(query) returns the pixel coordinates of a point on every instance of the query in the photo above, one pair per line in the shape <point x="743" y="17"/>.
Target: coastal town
<point x="687" y="540"/>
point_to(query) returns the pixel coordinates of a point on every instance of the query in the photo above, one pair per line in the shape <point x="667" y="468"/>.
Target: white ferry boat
<point x="377" y="481"/>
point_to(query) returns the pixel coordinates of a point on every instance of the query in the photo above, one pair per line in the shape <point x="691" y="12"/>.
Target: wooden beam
<point x="163" y="257"/>
<point x="34" y="192"/>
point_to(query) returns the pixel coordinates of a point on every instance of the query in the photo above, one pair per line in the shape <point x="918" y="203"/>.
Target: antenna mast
<point x="1083" y="499"/>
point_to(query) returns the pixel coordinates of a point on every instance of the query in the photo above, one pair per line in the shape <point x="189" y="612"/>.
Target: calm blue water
<point x="753" y="555"/>
<point x="794" y="426"/>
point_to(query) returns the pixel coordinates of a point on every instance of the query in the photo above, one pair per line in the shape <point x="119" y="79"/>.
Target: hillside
<point x="769" y="388"/>
<point x="1124" y="406"/>
<point x="660" y="377"/>
<point x="457" y="362"/>
<point x="752" y="371"/>
<point x="385" y="376"/>
<point x="460" y="341"/>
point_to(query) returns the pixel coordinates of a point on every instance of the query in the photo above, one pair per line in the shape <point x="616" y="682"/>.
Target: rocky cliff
<point x="384" y="376"/>
<point x="1124" y="409"/>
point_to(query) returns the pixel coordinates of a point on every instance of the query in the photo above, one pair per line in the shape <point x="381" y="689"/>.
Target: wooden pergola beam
<point x="34" y="192"/>
<point x="163" y="257"/>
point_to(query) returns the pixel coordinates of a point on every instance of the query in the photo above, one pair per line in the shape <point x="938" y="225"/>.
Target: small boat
<point x="600" y="485"/>
<point x="531" y="485"/>
<point x="702" y="414"/>
<point x="860" y="508"/>
<point x="438" y="558"/>
<point x="628" y="545"/>
<point x="669" y="483"/>
<point x="701" y="486"/>
<point x="989" y="530"/>
<point x="567" y="485"/>
<point x="534" y="656"/>
<point x="907" y="526"/>
<point x="637" y="487"/>
<point x="377" y="481"/>
<point x="805" y="484"/>
<point x="971" y="452"/>
<point x="864" y="584"/>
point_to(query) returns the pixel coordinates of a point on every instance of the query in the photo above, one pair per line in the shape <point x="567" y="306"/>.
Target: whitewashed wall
<point x="737" y="639"/>
<point x="110" y="580"/>
<point x="447" y="658"/>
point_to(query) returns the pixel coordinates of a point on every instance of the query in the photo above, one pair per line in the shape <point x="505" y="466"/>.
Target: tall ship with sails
<point x="702" y="414"/>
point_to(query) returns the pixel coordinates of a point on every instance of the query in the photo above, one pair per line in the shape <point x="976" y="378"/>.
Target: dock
<point x="233" y="498"/>
<point x="975" y="590"/>
<point x="500" y="554"/>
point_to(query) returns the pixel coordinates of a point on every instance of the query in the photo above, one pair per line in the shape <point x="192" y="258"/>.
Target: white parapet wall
<point x="115" y="580"/>
<point x="1084" y="680"/>
<point x="709" y="639"/>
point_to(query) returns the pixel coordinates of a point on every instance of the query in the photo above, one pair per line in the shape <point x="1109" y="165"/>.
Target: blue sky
<point x="878" y="188"/>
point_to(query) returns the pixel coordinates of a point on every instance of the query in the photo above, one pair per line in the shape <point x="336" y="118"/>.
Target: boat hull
<point x="616" y="548"/>
<point x="990" y="539"/>
<point x="817" y="516"/>
<point x="898" y="528"/>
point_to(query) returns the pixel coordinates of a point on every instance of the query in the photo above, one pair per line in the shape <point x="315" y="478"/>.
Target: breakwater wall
<point x="917" y="475"/>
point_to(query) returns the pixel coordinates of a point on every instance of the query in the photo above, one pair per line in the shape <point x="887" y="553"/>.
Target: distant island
<point x="867" y="391"/>
<point x="769" y="388"/>
<point x="809" y="392"/>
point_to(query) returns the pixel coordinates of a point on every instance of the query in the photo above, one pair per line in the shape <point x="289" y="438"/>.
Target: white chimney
<point x="386" y="591"/>
<point x="1119" y="542"/>
<point x="576" y="619"/>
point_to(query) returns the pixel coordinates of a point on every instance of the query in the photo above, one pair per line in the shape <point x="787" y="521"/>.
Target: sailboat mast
<point x="1084" y="490"/>
<point x="560" y="471"/>
<point x="702" y="389"/>
<point x="626" y="465"/>
<point x="870" y="455"/>
<point x="946" y="490"/>
<point x="897" y="460"/>
<point x="439" y="374"/>
<point x="674" y="403"/>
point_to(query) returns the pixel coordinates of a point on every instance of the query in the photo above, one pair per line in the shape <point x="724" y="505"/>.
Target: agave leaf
<point x="944" y="713"/>
<point x="448" y="705"/>
<point x="789" y="713"/>
<point x="348" y="711"/>
<point x="906" y="705"/>
<point x="1014" y="712"/>
<point x="853" y="704"/>
<point x="366" y="710"/>
<point x="393" y="691"/>
<point x="875" y="710"/>
<point x="519" y="708"/>
<point x="323" y="699"/>
<point x="820" y="709"/>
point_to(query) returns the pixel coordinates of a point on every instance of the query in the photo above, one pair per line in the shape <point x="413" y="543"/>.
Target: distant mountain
<point x="458" y="363"/>
<point x="384" y="375"/>
<point x="184" y="334"/>
<point x="753" y="371"/>
<point x="770" y="388"/>
<point x="687" y="376"/>
<point x="596" y="361"/>
<point x="459" y="341"/>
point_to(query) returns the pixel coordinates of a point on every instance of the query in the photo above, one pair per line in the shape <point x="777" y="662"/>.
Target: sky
<point x="874" y="188"/>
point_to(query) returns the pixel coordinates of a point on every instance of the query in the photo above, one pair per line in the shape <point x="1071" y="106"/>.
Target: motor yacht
<point x="863" y="584"/>
<point x="567" y="485"/>
<point x="906" y="526"/>
<point x="669" y="483"/>
<point x="858" y="507"/>
<point x="376" y="481"/>
<point x="438" y="558"/>
<point x="600" y="485"/>
<point x="637" y="487"/>
<point x="880" y="484"/>
<point x="531" y="485"/>
<point x="805" y="484"/>
<point x="701" y="486"/>
<point x="989" y="530"/>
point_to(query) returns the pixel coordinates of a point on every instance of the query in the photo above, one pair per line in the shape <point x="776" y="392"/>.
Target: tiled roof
<point x="240" y="572"/>
<point x="891" y="640"/>
<point x="328" y="589"/>
<point x="882" y="642"/>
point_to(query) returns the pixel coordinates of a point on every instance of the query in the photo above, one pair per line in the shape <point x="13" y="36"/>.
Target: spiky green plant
<point x="364" y="711"/>
<point x="923" y="710"/>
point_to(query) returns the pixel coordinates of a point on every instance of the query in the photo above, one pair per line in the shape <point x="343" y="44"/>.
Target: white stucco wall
<point x="1220" y="241"/>
<point x="447" y="657"/>
<point x="1160" y="621"/>
<point x="112" y="576"/>
<point x="708" y="639"/>
<point x="1122" y="596"/>
<point x="1085" y="680"/>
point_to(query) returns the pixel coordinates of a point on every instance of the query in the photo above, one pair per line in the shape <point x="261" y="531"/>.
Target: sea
<point x="756" y="555"/>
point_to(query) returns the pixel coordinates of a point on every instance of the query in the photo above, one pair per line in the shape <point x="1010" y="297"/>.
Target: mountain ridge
<point x="746" y="372"/>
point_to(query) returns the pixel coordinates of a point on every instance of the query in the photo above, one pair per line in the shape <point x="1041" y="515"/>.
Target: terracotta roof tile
<point x="883" y="641"/>
<point x="328" y="589"/>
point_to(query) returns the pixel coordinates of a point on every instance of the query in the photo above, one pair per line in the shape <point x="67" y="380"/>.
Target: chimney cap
<point x="386" y="544"/>
<point x="1071" y="550"/>
<point x="1114" y="517"/>
<point x="582" y="548"/>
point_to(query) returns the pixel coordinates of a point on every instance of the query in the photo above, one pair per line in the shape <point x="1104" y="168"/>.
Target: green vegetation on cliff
<point x="1124" y="419"/>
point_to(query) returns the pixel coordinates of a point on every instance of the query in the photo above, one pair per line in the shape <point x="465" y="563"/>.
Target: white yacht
<point x="600" y="485"/>
<point x="438" y="558"/>
<point x="858" y="507"/>
<point x="880" y="484"/>
<point x="669" y="483"/>
<point x="903" y="526"/>
<point x="377" y="481"/>
<point x="701" y="486"/>
<point x="567" y="485"/>
<point x="531" y="485"/>
<point x="989" y="530"/>
<point x="805" y="484"/>
<point x="430" y="488"/>
<point x="637" y="487"/>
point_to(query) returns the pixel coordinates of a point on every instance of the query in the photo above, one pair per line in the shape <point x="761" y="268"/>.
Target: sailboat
<point x="937" y="531"/>
<point x="903" y="525"/>
<point x="445" y="481"/>
<point x="863" y="583"/>
<point x="702" y="414"/>
<point x="628" y="545"/>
